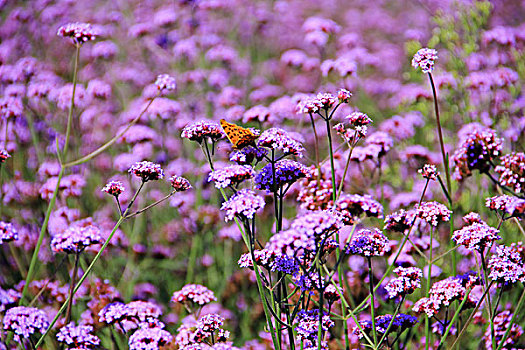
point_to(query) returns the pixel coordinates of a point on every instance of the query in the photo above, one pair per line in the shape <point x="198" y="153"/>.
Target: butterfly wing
<point x="239" y="137"/>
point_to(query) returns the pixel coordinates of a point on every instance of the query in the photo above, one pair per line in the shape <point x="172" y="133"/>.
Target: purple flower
<point x="476" y="236"/>
<point x="512" y="171"/>
<point x="75" y="239"/>
<point x="368" y="243"/>
<point x="179" y="184"/>
<point x="248" y="155"/>
<point x="358" y="119"/>
<point x="424" y="58"/>
<point x="25" y="321"/>
<point x="79" y="33"/>
<point x="442" y="293"/>
<point x="8" y="232"/>
<point x="201" y="130"/>
<point x="286" y="173"/>
<point x="147" y="171"/>
<point x="146" y="338"/>
<point x="114" y="188"/>
<point x="354" y="205"/>
<point x="165" y="82"/>
<point x="477" y="150"/>
<point x="231" y="175"/>
<point x="400" y="221"/>
<point x="194" y="293"/>
<point x="507" y="266"/>
<point x="408" y="281"/>
<point x="433" y="212"/>
<point x="4" y="155"/>
<point x="400" y="324"/>
<point x="429" y="172"/>
<point x="279" y="139"/>
<point x="244" y="203"/>
<point x="318" y="223"/>
<point x="78" y="336"/>
<point x="498" y="203"/>
<point x="501" y="325"/>
<point x="344" y="95"/>
<point x="308" y="324"/>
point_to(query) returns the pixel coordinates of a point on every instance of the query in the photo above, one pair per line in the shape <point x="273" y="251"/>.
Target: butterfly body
<point x="239" y="137"/>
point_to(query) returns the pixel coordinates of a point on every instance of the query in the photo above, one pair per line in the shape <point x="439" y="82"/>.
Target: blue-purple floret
<point x="286" y="172"/>
<point x="285" y="264"/>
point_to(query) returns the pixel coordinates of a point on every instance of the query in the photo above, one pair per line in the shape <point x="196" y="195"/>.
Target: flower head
<point x="478" y="150"/>
<point x="165" y="82"/>
<point x="179" y="184"/>
<point x="357" y="119"/>
<point x="231" y="175"/>
<point x="4" y="155"/>
<point x="400" y="221"/>
<point x="354" y="205"/>
<point x="114" y="188"/>
<point x="424" y="59"/>
<point x="193" y="293"/>
<point x="502" y="322"/>
<point x="400" y="324"/>
<point x="201" y="130"/>
<point x="78" y="336"/>
<point x="433" y="212"/>
<point x="429" y="172"/>
<point x="344" y="95"/>
<point x="368" y="243"/>
<point x="79" y="33"/>
<point x="308" y="324"/>
<point x="286" y="172"/>
<point x="244" y="203"/>
<point x="279" y="139"/>
<point x="25" y="321"/>
<point x="146" y="338"/>
<point x="408" y="281"/>
<point x="442" y="293"/>
<point x="248" y="155"/>
<point x="75" y="239"/>
<point x="507" y="266"/>
<point x="8" y="232"/>
<point x="147" y="171"/>
<point x="512" y="171"/>
<point x="476" y="236"/>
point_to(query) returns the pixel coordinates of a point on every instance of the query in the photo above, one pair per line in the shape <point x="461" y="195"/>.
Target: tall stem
<point x="72" y="104"/>
<point x="71" y="286"/>
<point x="332" y="166"/>
<point x="429" y="279"/>
<point x="489" y="309"/>
<point x="372" y="298"/>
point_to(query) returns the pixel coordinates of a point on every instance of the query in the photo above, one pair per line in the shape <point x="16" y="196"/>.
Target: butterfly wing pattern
<point x="239" y="137"/>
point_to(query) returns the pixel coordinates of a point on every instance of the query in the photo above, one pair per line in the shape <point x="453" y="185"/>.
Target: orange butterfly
<point x="239" y="137"/>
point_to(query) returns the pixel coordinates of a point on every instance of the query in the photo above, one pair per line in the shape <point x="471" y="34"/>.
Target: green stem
<point x="43" y="230"/>
<point x="71" y="285"/>
<point x="429" y="279"/>
<point x="72" y="105"/>
<point x="332" y="166"/>
<point x="391" y="322"/>
<point x="372" y="299"/>
<point x="509" y="327"/>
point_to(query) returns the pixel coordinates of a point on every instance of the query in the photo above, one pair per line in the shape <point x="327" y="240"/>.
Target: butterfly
<point x="239" y="137"/>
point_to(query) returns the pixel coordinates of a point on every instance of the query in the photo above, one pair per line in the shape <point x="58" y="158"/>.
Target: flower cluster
<point x="79" y="33"/>
<point x="201" y="130"/>
<point x="308" y="324"/>
<point x="25" y="321"/>
<point x="149" y="338"/>
<point x="165" y="82"/>
<point x="75" y="239"/>
<point x="433" y="212"/>
<point x="315" y="191"/>
<point x="368" y="243"/>
<point x="507" y="266"/>
<point x="512" y="171"/>
<point x="429" y="172"/>
<point x="193" y="293"/>
<point x="408" y="281"/>
<point x="476" y="151"/>
<point x="114" y="188"/>
<point x="279" y="139"/>
<point x="401" y="323"/>
<point x="179" y="184"/>
<point x="78" y="336"/>
<point x="248" y="155"/>
<point x="286" y="173"/>
<point x="323" y="101"/>
<point x="476" y="236"/>
<point x="231" y="175"/>
<point x="4" y="155"/>
<point x="244" y="203"/>
<point x="317" y="223"/>
<point x="8" y="232"/>
<point x="442" y="293"/>
<point x="501" y="326"/>
<point x="354" y="205"/>
<point x="147" y="171"/>
<point x="400" y="221"/>
<point x="424" y="59"/>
